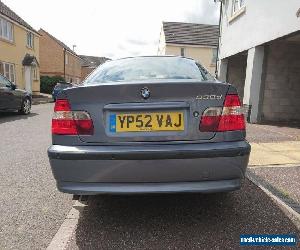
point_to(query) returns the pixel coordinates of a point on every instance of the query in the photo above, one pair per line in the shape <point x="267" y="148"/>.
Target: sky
<point x="112" y="28"/>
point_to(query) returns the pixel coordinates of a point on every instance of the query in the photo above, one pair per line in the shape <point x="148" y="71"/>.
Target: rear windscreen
<point x="147" y="68"/>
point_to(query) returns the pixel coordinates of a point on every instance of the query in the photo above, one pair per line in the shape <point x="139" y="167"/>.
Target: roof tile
<point x="93" y="61"/>
<point x="6" y="11"/>
<point x="191" y="33"/>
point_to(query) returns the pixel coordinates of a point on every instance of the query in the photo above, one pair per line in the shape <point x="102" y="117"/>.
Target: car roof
<point x="154" y="56"/>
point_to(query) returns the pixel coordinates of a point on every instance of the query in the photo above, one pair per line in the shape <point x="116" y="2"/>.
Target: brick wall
<point x="281" y="97"/>
<point x="51" y="56"/>
<point x="85" y="71"/>
<point x="52" y="60"/>
<point x="236" y="72"/>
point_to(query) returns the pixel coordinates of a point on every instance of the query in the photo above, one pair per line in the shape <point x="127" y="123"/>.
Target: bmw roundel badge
<point x="145" y="93"/>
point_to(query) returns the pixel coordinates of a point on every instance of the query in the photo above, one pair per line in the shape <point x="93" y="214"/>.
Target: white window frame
<point x="214" y="56"/>
<point x="6" y="30"/>
<point x="240" y="5"/>
<point x="9" y="71"/>
<point x="66" y="59"/>
<point x="182" y="51"/>
<point x="30" y="40"/>
<point x="35" y="73"/>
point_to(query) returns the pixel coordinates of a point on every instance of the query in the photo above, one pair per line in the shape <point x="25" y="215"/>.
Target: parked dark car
<point x="156" y="124"/>
<point x="60" y="86"/>
<point x="12" y="98"/>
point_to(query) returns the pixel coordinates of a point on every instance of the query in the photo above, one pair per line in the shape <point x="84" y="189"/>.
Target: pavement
<point x="274" y="144"/>
<point x="33" y="211"/>
<point x="286" y="152"/>
<point x="41" y="98"/>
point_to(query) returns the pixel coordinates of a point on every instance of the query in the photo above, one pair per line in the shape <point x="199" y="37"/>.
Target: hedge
<point x="48" y="83"/>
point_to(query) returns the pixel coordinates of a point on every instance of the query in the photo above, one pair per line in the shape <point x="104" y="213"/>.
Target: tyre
<point x="26" y="106"/>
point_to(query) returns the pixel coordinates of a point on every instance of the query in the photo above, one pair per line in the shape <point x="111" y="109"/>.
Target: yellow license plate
<point x="148" y="122"/>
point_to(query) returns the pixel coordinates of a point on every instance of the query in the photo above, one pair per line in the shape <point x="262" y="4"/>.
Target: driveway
<point x="31" y="209"/>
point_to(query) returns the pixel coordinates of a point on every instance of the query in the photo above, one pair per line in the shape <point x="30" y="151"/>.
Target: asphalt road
<point x="31" y="209"/>
<point x="190" y="221"/>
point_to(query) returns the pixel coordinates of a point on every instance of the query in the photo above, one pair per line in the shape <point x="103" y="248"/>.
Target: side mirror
<point x="13" y="86"/>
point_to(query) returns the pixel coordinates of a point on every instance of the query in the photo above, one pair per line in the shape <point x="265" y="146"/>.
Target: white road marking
<point x="68" y="227"/>
<point x="275" y="166"/>
<point x="287" y="210"/>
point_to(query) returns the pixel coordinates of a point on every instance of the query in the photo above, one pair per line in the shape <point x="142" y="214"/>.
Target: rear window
<point x="149" y="68"/>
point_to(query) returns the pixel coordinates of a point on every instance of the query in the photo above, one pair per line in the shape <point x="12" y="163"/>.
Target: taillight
<point x="68" y="122"/>
<point x="228" y="118"/>
<point x="62" y="105"/>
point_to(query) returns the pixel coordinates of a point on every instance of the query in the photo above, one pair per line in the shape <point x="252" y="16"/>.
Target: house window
<point x="6" y="30"/>
<point x="214" y="56"/>
<point x="237" y="5"/>
<point x="8" y="70"/>
<point x="66" y="59"/>
<point x="30" y="39"/>
<point x="35" y="74"/>
<point x="182" y="51"/>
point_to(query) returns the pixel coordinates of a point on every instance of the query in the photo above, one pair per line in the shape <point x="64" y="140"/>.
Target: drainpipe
<point x="64" y="63"/>
<point x="219" y="37"/>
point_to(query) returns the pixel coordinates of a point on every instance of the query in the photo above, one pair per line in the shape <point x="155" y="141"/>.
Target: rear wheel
<point x="26" y="106"/>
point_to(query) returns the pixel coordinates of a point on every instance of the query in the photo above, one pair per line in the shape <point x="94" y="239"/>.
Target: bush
<point x="49" y="82"/>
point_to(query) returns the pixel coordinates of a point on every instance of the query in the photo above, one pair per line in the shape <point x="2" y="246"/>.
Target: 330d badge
<point x="209" y="97"/>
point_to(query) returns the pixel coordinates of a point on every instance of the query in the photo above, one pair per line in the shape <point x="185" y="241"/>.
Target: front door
<point x="28" y="79"/>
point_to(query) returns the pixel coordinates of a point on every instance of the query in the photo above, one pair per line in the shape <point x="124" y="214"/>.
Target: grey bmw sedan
<point x="157" y="124"/>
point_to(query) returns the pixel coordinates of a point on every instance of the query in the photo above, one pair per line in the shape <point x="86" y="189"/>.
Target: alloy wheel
<point x="26" y="106"/>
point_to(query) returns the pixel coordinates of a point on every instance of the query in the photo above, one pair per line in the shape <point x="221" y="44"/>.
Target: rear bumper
<point x="149" y="188"/>
<point x="207" y="167"/>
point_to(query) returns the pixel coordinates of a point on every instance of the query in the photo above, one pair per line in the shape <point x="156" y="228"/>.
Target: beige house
<point x="197" y="41"/>
<point x="57" y="59"/>
<point x="19" y="50"/>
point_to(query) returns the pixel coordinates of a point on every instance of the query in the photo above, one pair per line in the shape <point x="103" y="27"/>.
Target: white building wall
<point x="261" y="21"/>
<point x="162" y="43"/>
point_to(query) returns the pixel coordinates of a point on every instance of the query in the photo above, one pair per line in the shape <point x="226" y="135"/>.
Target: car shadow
<point x="189" y="221"/>
<point x="14" y="116"/>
